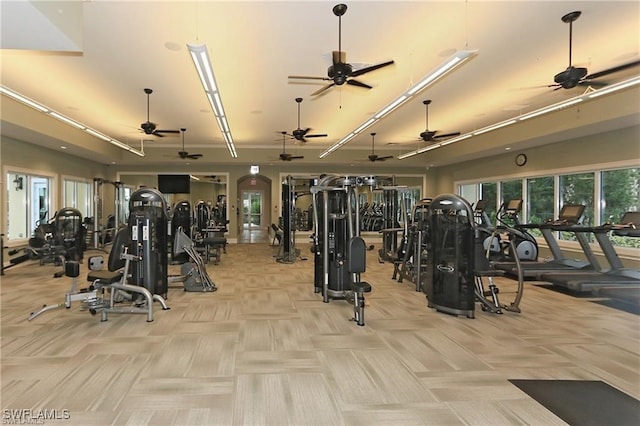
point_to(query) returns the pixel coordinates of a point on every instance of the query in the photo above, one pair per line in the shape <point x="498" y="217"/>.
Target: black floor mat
<point x="583" y="402"/>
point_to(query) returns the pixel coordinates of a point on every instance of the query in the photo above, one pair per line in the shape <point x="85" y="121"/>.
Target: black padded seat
<point x="361" y="287"/>
<point x="104" y="276"/>
<point x="214" y="240"/>
<point x="115" y="263"/>
<point x="356" y="264"/>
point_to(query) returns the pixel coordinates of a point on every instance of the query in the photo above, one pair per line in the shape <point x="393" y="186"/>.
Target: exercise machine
<point x="148" y="226"/>
<point x="113" y="280"/>
<point x="194" y="272"/>
<point x="100" y="234"/>
<point x="180" y="219"/>
<point x="339" y="251"/>
<point x="59" y="240"/>
<point x="288" y="253"/>
<point x="450" y="286"/>
<point x="413" y="263"/>
<point x="569" y="218"/>
<point x="497" y="239"/>
<point x="597" y="280"/>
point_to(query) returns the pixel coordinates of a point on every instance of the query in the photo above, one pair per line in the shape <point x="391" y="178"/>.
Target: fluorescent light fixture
<point x="456" y="139"/>
<point x="364" y="125"/>
<point x="615" y="87"/>
<point x="386" y="110"/>
<point x="453" y="62"/>
<point x="545" y="110"/>
<point x="193" y="177"/>
<point x="550" y="108"/>
<point x="97" y="134"/>
<point x="21" y="98"/>
<point x="446" y="67"/>
<point x="42" y="108"/>
<point x="493" y="127"/>
<point x="201" y="60"/>
<point x="66" y="120"/>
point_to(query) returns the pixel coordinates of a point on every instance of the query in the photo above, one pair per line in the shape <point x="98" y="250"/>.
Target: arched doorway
<point x="254" y="212"/>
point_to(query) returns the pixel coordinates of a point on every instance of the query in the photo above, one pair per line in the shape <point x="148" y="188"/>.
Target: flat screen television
<point x="174" y="184"/>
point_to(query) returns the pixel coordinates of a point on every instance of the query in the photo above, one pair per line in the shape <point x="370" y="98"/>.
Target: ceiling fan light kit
<point x="201" y="60"/>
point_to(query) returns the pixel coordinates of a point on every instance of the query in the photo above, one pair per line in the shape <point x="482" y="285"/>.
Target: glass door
<point x="251" y="210"/>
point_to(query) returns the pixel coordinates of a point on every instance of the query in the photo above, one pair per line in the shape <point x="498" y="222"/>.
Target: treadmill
<point x="617" y="282"/>
<point x="569" y="217"/>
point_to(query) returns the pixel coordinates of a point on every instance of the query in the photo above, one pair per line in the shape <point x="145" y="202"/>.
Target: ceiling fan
<point x="184" y="154"/>
<point x="300" y="134"/>
<point x="431" y="135"/>
<point x="148" y="127"/>
<point x="288" y="157"/>
<point x="373" y="157"/>
<point x="574" y="76"/>
<point x="341" y="72"/>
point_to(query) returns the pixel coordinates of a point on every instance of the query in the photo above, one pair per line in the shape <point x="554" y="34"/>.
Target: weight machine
<point x="109" y="231"/>
<point x="180" y="219"/>
<point x="288" y="253"/>
<point x="148" y="224"/>
<point x="339" y="251"/>
<point x="412" y="262"/>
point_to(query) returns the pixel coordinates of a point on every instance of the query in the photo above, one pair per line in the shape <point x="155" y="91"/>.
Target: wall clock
<point x="521" y="160"/>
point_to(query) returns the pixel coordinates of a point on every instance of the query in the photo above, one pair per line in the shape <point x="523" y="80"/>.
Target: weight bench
<point x="356" y="264"/>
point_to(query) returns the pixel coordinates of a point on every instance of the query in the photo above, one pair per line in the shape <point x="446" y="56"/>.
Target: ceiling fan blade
<point x="323" y="89"/>
<point x="446" y="135"/>
<point x="168" y="131"/>
<point x="296" y="157"/>
<point x="160" y="135"/>
<point x="353" y="82"/>
<point x="194" y="156"/>
<point x="339" y="57"/>
<point x="316" y="136"/>
<point x="365" y="70"/>
<point x="612" y="70"/>
<point x="306" y="77"/>
<point x="387" y="157"/>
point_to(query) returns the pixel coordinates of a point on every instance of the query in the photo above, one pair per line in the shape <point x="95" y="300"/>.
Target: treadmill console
<point x="513" y="206"/>
<point x="570" y="214"/>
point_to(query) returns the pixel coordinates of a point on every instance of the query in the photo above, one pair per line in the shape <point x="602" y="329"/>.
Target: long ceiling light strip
<point x="545" y="110"/>
<point x="73" y="123"/>
<point x="200" y="58"/>
<point x="446" y="67"/>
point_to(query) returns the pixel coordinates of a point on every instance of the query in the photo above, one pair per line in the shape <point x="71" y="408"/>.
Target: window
<point x="511" y="190"/>
<point x="489" y="193"/>
<point x="77" y="194"/>
<point x="616" y="190"/>
<point x="578" y="189"/>
<point x="28" y="203"/>
<point x="619" y="193"/>
<point x="539" y="202"/>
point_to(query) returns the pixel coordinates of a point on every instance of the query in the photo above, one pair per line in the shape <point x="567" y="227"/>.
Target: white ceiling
<point x="91" y="60"/>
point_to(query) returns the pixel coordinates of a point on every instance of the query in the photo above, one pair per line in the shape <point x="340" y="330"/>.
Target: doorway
<point x="253" y="220"/>
<point x="252" y="206"/>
